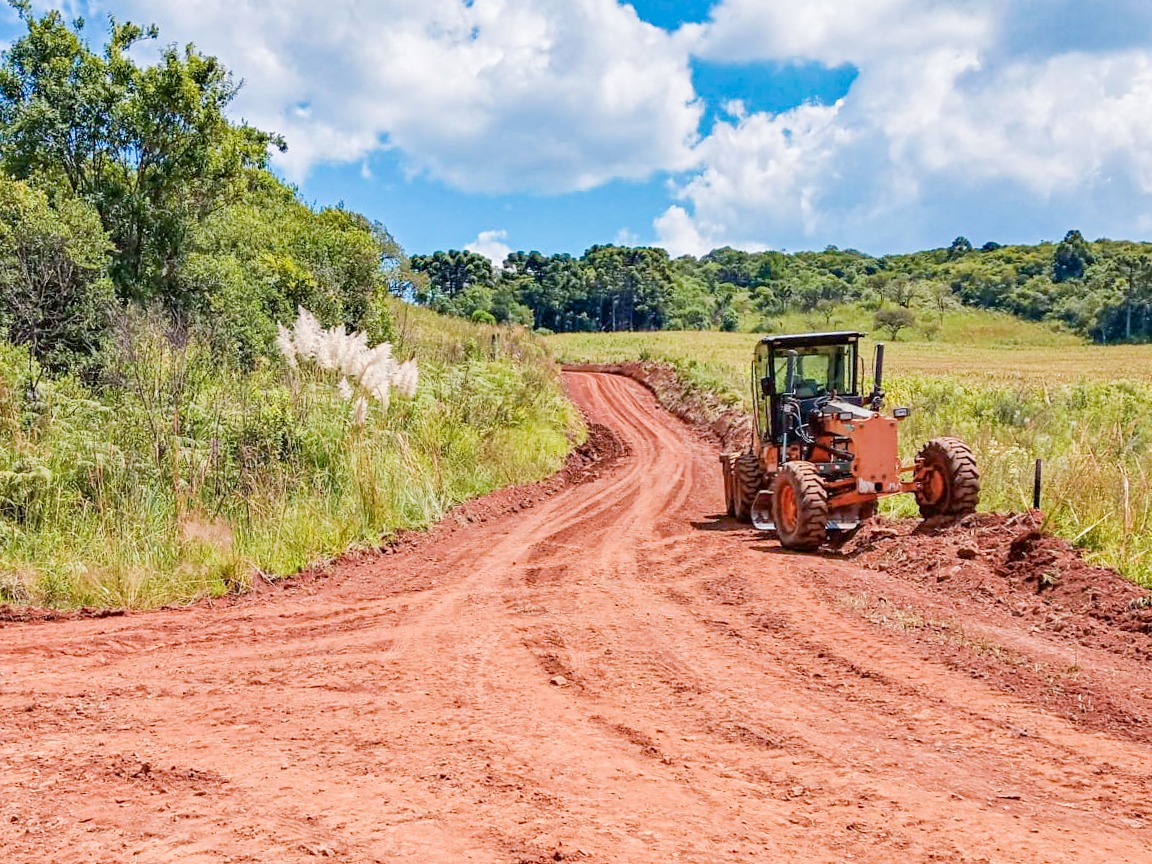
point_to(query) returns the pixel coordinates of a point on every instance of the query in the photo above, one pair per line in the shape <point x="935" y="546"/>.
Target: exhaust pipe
<point x="878" y="378"/>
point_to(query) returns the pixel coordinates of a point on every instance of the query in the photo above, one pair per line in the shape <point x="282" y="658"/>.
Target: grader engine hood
<point x="873" y="440"/>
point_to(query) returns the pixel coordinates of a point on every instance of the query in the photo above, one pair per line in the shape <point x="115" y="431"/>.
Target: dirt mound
<point x="599" y="453"/>
<point x="729" y="426"/>
<point x="32" y="614"/>
<point x="1009" y="562"/>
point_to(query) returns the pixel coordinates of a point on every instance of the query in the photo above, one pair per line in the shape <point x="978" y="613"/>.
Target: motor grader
<point x="822" y="452"/>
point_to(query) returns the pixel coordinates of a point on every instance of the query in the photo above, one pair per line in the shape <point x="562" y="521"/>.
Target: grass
<point x="974" y="345"/>
<point x="185" y="478"/>
<point x="1015" y="391"/>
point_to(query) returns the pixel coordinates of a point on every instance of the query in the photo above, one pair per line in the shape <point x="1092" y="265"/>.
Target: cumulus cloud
<point x="491" y="245"/>
<point x="947" y="123"/>
<point x="491" y="96"/>
<point x="763" y="177"/>
<point x="836" y="31"/>
<point x="966" y="116"/>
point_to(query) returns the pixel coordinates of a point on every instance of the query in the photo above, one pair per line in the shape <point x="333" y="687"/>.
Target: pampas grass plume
<point x="285" y="344"/>
<point x="373" y="369"/>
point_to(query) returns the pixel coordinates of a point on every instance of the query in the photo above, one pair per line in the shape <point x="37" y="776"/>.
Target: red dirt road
<point x="611" y="675"/>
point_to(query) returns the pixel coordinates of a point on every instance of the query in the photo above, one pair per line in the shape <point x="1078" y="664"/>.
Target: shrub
<point x="54" y="293"/>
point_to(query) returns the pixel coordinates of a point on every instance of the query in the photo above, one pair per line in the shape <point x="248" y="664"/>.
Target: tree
<point x="563" y="289"/>
<point x="902" y="291"/>
<point x="732" y="266"/>
<point x="1134" y="274"/>
<point x="894" y="319"/>
<point x="960" y="247"/>
<point x="54" y="292"/>
<point x="148" y="146"/>
<point x="451" y="274"/>
<point x="942" y="297"/>
<point x="1072" y="258"/>
<point x="633" y="287"/>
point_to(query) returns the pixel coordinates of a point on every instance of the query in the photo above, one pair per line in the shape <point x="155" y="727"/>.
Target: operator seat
<point x="808" y="388"/>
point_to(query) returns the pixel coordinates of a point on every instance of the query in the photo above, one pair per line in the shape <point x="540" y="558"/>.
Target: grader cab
<point x="823" y="454"/>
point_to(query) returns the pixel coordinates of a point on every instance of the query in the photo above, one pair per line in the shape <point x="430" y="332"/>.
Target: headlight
<point x="901" y="413"/>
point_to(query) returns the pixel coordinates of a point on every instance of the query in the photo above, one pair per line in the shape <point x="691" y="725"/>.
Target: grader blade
<point x="762" y="511"/>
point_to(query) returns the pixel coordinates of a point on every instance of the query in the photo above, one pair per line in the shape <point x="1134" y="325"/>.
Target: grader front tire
<point x="948" y="481"/>
<point x="800" y="507"/>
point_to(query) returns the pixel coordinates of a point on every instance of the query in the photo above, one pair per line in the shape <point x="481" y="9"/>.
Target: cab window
<point x="820" y="370"/>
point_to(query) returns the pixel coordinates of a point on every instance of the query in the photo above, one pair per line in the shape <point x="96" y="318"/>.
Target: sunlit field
<point x="970" y="345"/>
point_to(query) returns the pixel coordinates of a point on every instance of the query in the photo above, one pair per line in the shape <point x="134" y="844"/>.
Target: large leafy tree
<point x="633" y="287"/>
<point x="1071" y="258"/>
<point x="251" y="265"/>
<point x="149" y="146"/>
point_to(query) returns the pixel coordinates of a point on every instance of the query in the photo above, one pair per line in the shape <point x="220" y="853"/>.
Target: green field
<point x="1015" y="391"/>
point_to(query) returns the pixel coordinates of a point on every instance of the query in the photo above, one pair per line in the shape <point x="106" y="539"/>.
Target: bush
<point x="54" y="292"/>
<point x="481" y="316"/>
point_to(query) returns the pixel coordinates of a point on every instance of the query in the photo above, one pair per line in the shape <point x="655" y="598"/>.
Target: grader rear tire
<point x="947" y="479"/>
<point x="800" y="506"/>
<point x="747" y="478"/>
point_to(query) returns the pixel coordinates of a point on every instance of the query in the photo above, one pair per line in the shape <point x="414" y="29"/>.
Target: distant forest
<point x="1101" y="289"/>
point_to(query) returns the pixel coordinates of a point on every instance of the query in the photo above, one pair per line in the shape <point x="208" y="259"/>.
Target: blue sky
<point x="882" y="125"/>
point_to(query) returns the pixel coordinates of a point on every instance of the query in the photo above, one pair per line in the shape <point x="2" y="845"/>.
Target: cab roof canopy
<point x="799" y="340"/>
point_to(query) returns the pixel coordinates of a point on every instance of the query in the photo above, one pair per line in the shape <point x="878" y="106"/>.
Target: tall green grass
<point x="1085" y="410"/>
<point x="181" y="478"/>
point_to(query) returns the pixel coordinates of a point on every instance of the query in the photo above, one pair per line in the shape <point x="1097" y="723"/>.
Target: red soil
<point x="601" y="671"/>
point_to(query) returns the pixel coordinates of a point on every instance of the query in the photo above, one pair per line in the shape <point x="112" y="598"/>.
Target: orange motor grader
<point x="823" y="453"/>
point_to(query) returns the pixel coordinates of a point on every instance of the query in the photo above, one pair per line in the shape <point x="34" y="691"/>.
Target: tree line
<point x="1100" y="289"/>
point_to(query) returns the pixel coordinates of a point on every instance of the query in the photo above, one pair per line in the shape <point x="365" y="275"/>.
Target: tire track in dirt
<point x="719" y="701"/>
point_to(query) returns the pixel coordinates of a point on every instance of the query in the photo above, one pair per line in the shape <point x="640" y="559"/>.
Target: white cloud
<point x="626" y="237"/>
<point x="835" y="32"/>
<point x="680" y="234"/>
<point x="491" y="95"/>
<point x="763" y="176"/>
<point x="943" y="130"/>
<point x="491" y="245"/>
<point x="1000" y="116"/>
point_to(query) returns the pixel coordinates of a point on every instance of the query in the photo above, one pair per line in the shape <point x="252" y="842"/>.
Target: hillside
<point x="1100" y="290"/>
